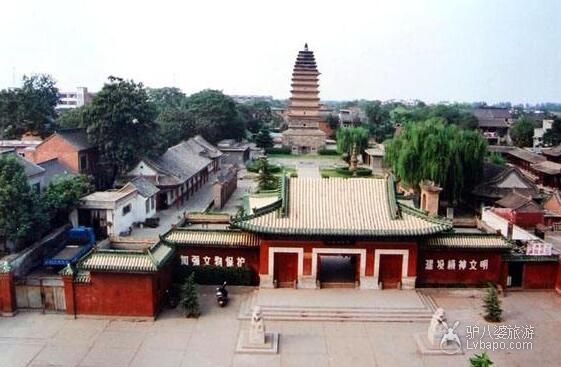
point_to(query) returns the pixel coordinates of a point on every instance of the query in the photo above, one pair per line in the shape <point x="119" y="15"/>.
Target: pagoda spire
<point x="306" y="46"/>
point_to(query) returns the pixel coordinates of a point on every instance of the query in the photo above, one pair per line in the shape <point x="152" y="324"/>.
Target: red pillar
<point x="69" y="294"/>
<point x="558" y="283"/>
<point x="8" y="305"/>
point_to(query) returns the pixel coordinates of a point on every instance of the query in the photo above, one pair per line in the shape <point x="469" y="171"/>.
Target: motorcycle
<point x="172" y="298"/>
<point x="222" y="295"/>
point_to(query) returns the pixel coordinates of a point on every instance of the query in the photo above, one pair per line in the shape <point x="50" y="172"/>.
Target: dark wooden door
<point x="390" y="270"/>
<point x="286" y="269"/>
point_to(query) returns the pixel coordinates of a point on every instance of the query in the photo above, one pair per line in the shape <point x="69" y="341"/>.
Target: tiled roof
<point x="144" y="186"/>
<point x="552" y="152"/>
<point x="338" y="206"/>
<point x="547" y="167"/>
<point x="30" y="169"/>
<point x="213" y="238"/>
<point x="526" y="155"/>
<point x="54" y="169"/>
<point x="128" y="261"/>
<point x="77" y="137"/>
<point x="499" y="181"/>
<point x="205" y="148"/>
<point x="467" y="240"/>
<point x="515" y="200"/>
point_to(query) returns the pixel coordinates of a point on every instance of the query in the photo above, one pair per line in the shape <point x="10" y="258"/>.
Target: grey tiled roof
<point x="54" y="168"/>
<point x="31" y="169"/>
<point x="77" y="137"/>
<point x="144" y="186"/>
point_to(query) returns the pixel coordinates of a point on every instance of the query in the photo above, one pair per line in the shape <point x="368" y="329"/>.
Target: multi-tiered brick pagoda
<point x="303" y="134"/>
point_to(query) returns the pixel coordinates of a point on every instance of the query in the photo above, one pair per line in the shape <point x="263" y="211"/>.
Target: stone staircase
<point x="362" y="314"/>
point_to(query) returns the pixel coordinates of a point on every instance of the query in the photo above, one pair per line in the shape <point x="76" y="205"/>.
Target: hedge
<point x="283" y="150"/>
<point x="253" y="166"/>
<point x="327" y="152"/>
<point x="215" y="275"/>
<point x="360" y="171"/>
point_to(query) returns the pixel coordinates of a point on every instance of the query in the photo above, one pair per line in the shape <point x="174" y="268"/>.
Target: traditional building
<point x="71" y="147"/>
<point x="304" y="134"/>
<point x="180" y="171"/>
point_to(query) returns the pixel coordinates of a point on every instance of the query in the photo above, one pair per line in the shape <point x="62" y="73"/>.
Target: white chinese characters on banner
<point x="538" y="248"/>
<point x="228" y="261"/>
<point x="453" y="264"/>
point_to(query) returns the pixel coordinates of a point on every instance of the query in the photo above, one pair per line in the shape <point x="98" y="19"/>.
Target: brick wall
<point x="57" y="147"/>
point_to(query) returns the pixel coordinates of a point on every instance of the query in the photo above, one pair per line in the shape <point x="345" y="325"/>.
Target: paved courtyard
<point x="33" y="339"/>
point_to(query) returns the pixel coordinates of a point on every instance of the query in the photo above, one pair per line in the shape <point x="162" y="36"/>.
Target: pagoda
<point x="303" y="134"/>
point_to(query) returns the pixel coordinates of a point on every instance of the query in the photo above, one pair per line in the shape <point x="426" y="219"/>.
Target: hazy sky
<point x="431" y="50"/>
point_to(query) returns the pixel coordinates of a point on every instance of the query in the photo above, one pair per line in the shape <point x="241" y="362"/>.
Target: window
<point x="37" y="187"/>
<point x="126" y="209"/>
<point x="147" y="204"/>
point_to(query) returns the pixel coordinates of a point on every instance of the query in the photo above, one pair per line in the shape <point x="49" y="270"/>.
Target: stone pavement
<point x="308" y="170"/>
<point x="33" y="339"/>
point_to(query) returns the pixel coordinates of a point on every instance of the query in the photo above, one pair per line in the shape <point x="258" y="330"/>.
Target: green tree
<point x="166" y="98"/>
<point x="120" y="121"/>
<point x="263" y="139"/>
<point x="553" y="136"/>
<point x="176" y="125"/>
<point x="190" y="298"/>
<point x="71" y="118"/>
<point x="63" y="195"/>
<point x="443" y="153"/>
<point x="379" y="120"/>
<point x="266" y="180"/>
<point x="352" y="141"/>
<point x="216" y="115"/>
<point x="492" y="305"/>
<point x="522" y="133"/>
<point x="30" y="108"/>
<point x="480" y="360"/>
<point x="496" y="158"/>
<point x="22" y="217"/>
<point x="255" y="115"/>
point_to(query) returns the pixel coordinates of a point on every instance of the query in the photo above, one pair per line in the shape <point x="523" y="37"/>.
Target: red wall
<point x="494" y="273"/>
<point x="558" y="284"/>
<point x="115" y="294"/>
<point x="370" y="247"/>
<point x="251" y="255"/>
<point x="7" y="294"/>
<point x="539" y="275"/>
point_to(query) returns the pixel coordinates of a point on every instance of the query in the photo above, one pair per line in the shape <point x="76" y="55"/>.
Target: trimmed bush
<point x="327" y="152"/>
<point x="363" y="171"/>
<point x="283" y="150"/>
<point x="215" y="275"/>
<point x="253" y="166"/>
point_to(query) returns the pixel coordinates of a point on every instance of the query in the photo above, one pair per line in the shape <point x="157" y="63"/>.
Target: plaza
<point x="32" y="339"/>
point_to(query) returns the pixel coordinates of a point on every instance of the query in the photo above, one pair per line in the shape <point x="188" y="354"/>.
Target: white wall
<point x="122" y="222"/>
<point x="142" y="169"/>
<point x="499" y="223"/>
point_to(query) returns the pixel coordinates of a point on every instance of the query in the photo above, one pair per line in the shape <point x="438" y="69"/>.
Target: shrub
<point x="363" y="171"/>
<point x="480" y="360"/>
<point x="324" y="151"/>
<point x="492" y="305"/>
<point x="190" y="298"/>
<point x="283" y="150"/>
<point x="343" y="171"/>
<point x="254" y="166"/>
<point x="215" y="275"/>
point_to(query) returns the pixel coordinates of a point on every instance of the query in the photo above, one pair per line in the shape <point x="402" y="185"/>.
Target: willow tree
<point x="352" y="141"/>
<point x="443" y="153"/>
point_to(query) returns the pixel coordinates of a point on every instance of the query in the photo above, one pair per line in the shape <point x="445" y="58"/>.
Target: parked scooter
<point x="172" y="298"/>
<point x="222" y="295"/>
